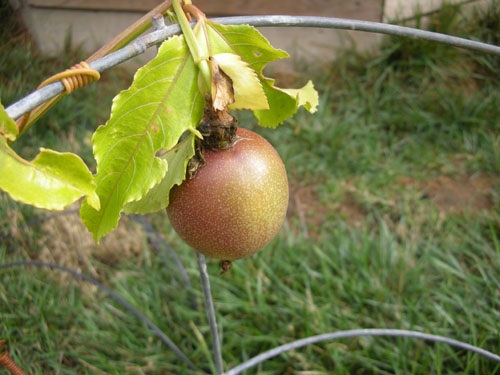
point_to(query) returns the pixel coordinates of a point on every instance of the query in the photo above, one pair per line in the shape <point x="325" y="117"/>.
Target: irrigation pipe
<point x="139" y="45"/>
<point x="163" y="337"/>
<point x="356" y="333"/>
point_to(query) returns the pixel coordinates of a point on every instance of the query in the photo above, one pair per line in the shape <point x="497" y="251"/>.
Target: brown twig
<point x="198" y="14"/>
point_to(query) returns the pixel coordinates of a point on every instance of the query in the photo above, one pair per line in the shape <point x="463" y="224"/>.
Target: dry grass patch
<point x="67" y="242"/>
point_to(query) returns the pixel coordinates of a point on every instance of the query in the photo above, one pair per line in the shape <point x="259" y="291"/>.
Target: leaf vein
<point x="133" y="153"/>
<point x="160" y="65"/>
<point x="145" y="87"/>
<point x="137" y="108"/>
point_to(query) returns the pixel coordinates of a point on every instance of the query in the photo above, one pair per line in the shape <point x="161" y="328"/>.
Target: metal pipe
<point x="209" y="308"/>
<point x="356" y="333"/>
<point x="139" y="45"/>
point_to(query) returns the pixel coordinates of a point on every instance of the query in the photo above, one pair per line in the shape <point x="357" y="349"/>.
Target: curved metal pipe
<point x="356" y="333"/>
<point x="138" y="46"/>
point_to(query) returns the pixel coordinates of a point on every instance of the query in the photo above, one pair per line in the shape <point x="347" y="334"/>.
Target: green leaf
<point x="161" y="104"/>
<point x="307" y="95"/>
<point x="243" y="40"/>
<point x="284" y="103"/>
<point x="282" y="106"/>
<point x="257" y="52"/>
<point x="8" y="127"/>
<point x="157" y="198"/>
<point x="52" y="180"/>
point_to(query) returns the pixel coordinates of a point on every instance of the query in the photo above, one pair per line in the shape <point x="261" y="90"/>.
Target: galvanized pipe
<point x="139" y="45"/>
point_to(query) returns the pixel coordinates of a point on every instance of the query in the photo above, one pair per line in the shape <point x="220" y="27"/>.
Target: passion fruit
<point x="236" y="203"/>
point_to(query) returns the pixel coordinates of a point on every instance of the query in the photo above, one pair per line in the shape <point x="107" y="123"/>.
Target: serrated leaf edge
<point x="94" y="202"/>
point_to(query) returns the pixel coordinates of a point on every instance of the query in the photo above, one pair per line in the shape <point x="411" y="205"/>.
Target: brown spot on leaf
<point x="155" y="128"/>
<point x="222" y="87"/>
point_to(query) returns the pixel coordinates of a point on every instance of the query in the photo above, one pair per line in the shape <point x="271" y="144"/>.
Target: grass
<point x="397" y="181"/>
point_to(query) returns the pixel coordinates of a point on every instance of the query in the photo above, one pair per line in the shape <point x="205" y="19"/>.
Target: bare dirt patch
<point x="306" y="205"/>
<point x="459" y="194"/>
<point x="351" y="210"/>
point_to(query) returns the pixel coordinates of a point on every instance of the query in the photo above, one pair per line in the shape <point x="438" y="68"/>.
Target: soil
<point x="465" y="193"/>
<point x="305" y="204"/>
<point x="460" y="194"/>
<point x="352" y="210"/>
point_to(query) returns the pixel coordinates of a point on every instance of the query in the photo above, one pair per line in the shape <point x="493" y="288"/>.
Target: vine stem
<point x="209" y="308"/>
<point x="200" y="57"/>
<point x="119" y="41"/>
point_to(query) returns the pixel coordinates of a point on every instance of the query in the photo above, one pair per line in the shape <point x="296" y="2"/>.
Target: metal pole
<point x="356" y="333"/>
<point x="139" y="45"/>
<point x="209" y="307"/>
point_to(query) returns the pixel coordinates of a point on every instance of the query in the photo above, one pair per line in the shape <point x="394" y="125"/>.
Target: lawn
<point x="394" y="222"/>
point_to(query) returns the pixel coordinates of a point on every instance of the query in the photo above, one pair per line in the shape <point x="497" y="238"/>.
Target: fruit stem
<point x="200" y="58"/>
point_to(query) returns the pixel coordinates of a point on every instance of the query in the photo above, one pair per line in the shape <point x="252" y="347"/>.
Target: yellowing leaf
<point x="248" y="92"/>
<point x="307" y="96"/>
<point x="52" y="180"/>
<point x="8" y="127"/>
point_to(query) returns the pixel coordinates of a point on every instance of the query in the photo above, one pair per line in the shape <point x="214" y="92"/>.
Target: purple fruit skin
<point x="236" y="203"/>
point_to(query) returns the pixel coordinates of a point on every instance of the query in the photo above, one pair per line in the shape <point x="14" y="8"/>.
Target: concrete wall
<point x="404" y="9"/>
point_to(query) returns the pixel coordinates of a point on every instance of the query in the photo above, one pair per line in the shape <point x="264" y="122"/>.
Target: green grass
<point x="389" y="124"/>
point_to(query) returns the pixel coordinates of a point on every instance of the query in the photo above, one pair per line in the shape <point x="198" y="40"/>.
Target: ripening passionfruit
<point x="236" y="202"/>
